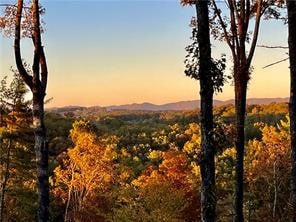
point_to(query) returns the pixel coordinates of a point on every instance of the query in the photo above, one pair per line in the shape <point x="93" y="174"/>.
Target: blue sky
<point x="115" y="52"/>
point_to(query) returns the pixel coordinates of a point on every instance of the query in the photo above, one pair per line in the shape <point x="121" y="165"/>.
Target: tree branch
<point x="256" y="32"/>
<point x="222" y="23"/>
<point x="37" y="45"/>
<point x="8" y="5"/>
<point x="12" y="5"/>
<point x="226" y="3"/>
<point x="17" y="51"/>
<point x="276" y="63"/>
<point x="233" y="25"/>
<point x="247" y="17"/>
<point x="273" y="47"/>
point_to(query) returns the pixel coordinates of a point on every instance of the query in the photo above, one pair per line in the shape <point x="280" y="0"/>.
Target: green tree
<point x="17" y="174"/>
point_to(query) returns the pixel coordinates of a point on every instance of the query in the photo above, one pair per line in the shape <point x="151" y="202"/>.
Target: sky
<point x="111" y="52"/>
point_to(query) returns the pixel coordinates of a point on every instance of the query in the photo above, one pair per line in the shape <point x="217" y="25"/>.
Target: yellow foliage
<point x="87" y="167"/>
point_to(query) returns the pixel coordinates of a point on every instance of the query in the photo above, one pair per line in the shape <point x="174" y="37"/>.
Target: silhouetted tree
<point x="238" y="37"/>
<point x="291" y="7"/>
<point x="200" y="65"/>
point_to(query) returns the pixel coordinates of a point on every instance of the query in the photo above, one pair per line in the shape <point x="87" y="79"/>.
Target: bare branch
<point x="233" y="25"/>
<point x="247" y="18"/>
<point x="26" y="77"/>
<point x="235" y="9"/>
<point x="12" y="5"/>
<point x="222" y="23"/>
<point x="276" y="63"/>
<point x="227" y="5"/>
<point x="37" y="44"/>
<point x="256" y="32"/>
<point x="8" y="5"/>
<point x="273" y="47"/>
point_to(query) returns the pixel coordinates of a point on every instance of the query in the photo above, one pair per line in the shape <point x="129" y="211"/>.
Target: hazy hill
<point x="182" y="105"/>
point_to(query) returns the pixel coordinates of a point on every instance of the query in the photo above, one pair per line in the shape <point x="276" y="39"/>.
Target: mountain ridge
<point x="174" y="106"/>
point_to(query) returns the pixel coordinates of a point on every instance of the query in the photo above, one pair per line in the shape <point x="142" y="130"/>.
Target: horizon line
<point x="157" y="104"/>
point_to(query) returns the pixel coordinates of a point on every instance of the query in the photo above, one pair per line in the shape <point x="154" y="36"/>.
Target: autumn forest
<point x="230" y="162"/>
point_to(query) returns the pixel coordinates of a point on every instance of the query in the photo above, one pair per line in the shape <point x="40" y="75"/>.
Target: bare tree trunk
<point x="41" y="152"/>
<point x="207" y="165"/>
<point x="240" y="15"/>
<point x="291" y="6"/>
<point x="240" y="108"/>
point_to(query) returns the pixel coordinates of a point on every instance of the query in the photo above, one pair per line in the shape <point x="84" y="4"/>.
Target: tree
<point x="5" y="148"/>
<point x="291" y="7"/>
<point x="166" y="192"/>
<point x="85" y="173"/>
<point x="200" y="65"/>
<point x="201" y="33"/>
<point x="37" y="84"/>
<point x="16" y="152"/>
<point x="238" y="36"/>
<point x="267" y="163"/>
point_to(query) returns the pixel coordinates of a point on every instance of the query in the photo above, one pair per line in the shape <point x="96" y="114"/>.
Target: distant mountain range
<point x="182" y="105"/>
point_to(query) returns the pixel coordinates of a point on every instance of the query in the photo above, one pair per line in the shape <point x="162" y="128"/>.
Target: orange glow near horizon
<point x="126" y="60"/>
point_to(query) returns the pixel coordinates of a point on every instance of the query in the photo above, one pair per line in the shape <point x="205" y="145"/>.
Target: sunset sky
<point x="126" y="51"/>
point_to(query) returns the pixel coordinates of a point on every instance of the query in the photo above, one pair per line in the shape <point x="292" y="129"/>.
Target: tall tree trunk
<point x="41" y="152"/>
<point x="241" y="11"/>
<point x="207" y="165"/>
<point x="240" y="109"/>
<point x="291" y="6"/>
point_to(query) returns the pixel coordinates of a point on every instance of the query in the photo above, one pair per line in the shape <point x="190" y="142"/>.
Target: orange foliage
<point x="175" y="169"/>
